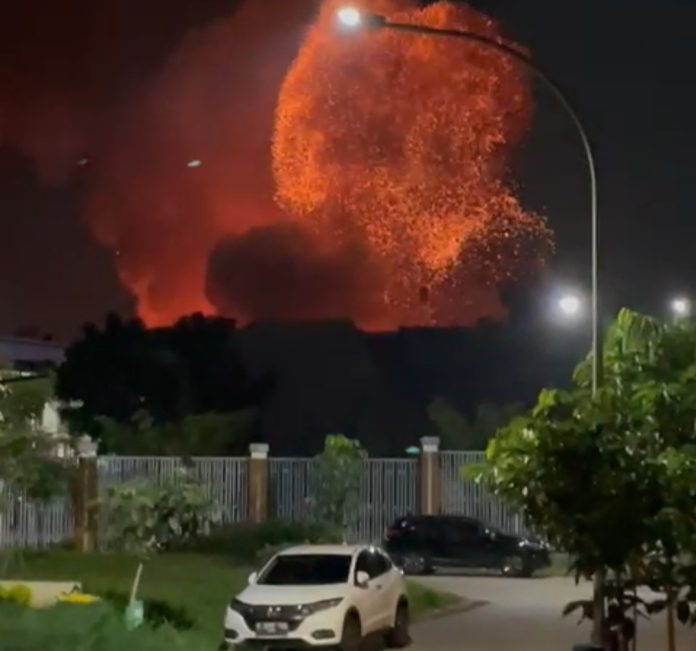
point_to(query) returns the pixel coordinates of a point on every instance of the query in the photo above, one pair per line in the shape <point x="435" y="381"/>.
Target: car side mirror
<point x="252" y="578"/>
<point x="362" y="579"/>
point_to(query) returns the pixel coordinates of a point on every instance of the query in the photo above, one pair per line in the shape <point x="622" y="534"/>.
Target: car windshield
<point x="307" y="569"/>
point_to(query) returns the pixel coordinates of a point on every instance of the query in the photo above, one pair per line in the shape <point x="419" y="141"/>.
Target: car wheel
<point x="517" y="566"/>
<point x="352" y="634"/>
<point x="415" y="564"/>
<point x="398" y="636"/>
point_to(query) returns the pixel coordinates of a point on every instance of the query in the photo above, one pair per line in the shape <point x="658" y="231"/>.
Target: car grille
<point x="253" y="614"/>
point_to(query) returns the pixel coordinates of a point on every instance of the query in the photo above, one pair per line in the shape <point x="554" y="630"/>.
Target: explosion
<point x="387" y="155"/>
<point x="403" y="142"/>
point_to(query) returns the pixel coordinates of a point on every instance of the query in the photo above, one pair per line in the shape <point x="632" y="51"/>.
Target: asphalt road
<point x="522" y="615"/>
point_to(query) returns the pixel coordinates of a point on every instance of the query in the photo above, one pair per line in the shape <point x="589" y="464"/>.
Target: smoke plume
<point x="284" y="272"/>
<point x="245" y="158"/>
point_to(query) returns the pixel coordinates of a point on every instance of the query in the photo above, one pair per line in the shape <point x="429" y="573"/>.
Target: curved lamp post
<point x="351" y="18"/>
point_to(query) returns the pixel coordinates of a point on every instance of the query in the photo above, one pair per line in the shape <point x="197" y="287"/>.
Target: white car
<point x="321" y="596"/>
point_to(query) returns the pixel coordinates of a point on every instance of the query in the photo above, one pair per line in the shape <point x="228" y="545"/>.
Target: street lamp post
<point x="352" y="19"/>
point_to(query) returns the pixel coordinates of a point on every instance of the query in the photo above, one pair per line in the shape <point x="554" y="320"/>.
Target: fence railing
<point x="32" y="525"/>
<point x="223" y="478"/>
<point x="389" y="489"/>
<point x="462" y="496"/>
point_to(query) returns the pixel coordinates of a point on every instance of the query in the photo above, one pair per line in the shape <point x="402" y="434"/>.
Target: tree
<point x="27" y="461"/>
<point x="604" y="478"/>
<point x="189" y="369"/>
<point x="209" y="434"/>
<point x="457" y="432"/>
<point x="340" y="471"/>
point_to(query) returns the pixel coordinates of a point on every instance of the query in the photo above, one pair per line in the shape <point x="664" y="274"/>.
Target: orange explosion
<point x="402" y="142"/>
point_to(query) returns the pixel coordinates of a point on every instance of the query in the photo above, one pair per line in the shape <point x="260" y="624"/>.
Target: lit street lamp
<point x="570" y="305"/>
<point x="681" y="307"/>
<point x="350" y="18"/>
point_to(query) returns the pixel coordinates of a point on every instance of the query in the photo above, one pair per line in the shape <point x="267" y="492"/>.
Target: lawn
<point x="203" y="585"/>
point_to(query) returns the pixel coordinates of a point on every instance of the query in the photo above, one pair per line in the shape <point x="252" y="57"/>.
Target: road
<point x="522" y="615"/>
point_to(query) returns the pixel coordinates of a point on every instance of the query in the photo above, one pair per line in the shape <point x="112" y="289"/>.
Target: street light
<point x="357" y="20"/>
<point x="570" y="305"/>
<point x="349" y="17"/>
<point x="681" y="307"/>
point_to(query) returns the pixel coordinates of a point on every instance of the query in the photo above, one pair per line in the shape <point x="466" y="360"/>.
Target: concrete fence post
<point x="430" y="489"/>
<point x="258" y="483"/>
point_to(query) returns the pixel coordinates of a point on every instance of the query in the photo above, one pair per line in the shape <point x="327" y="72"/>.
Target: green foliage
<point x="22" y="402"/>
<point x="19" y="595"/>
<point x="87" y="628"/>
<point x="457" y="432"/>
<point x="612" y="479"/>
<point x="340" y="470"/>
<point x="207" y="434"/>
<point x="144" y="518"/>
<point x="158" y="612"/>
<point x="247" y="542"/>
<point x="27" y="464"/>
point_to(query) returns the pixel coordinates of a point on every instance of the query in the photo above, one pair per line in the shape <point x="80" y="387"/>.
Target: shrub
<point x="17" y="594"/>
<point x="144" y="517"/>
<point x="251" y="542"/>
<point x="157" y="611"/>
<point x="94" y="627"/>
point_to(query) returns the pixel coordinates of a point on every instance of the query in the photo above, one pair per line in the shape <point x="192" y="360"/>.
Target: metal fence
<point x="388" y="490"/>
<point x="32" y="525"/>
<point x="223" y="478"/>
<point x="461" y="496"/>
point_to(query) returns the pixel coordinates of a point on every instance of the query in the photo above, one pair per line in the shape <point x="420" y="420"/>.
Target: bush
<point x="18" y="594"/>
<point x="251" y="542"/>
<point x="157" y="611"/>
<point x="90" y="628"/>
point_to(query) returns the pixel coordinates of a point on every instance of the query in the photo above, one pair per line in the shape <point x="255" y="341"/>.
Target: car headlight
<point x="239" y="606"/>
<point x="310" y="609"/>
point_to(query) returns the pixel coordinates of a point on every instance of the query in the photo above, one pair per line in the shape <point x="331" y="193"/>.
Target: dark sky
<point x="628" y="66"/>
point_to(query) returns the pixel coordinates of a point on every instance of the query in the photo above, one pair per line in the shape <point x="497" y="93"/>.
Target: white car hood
<point x="289" y="595"/>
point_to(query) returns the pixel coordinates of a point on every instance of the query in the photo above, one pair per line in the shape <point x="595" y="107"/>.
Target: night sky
<point x="628" y="67"/>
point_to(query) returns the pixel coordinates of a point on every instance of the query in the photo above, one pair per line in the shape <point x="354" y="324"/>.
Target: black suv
<point x="421" y="544"/>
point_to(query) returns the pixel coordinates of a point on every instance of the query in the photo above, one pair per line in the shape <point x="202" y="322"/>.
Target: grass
<point x="202" y="584"/>
<point x="423" y="600"/>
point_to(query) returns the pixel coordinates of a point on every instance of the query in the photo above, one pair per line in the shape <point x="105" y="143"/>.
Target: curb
<point x="459" y="608"/>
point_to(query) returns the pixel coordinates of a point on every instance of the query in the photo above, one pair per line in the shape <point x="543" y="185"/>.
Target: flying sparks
<point x="403" y="142"/>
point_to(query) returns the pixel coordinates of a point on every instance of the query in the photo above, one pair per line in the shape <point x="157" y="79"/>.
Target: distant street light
<point x="681" y="307"/>
<point x="570" y="305"/>
<point x="349" y="17"/>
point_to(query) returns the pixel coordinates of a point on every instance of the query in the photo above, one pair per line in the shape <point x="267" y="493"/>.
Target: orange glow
<point x="403" y="141"/>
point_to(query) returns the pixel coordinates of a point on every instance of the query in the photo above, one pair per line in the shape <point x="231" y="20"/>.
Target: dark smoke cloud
<point x="138" y="89"/>
<point x="282" y="272"/>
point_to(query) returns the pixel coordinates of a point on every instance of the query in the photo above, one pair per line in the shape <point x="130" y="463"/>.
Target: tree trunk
<point x="598" y="608"/>
<point x="671" y="636"/>
<point x="634" y="642"/>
